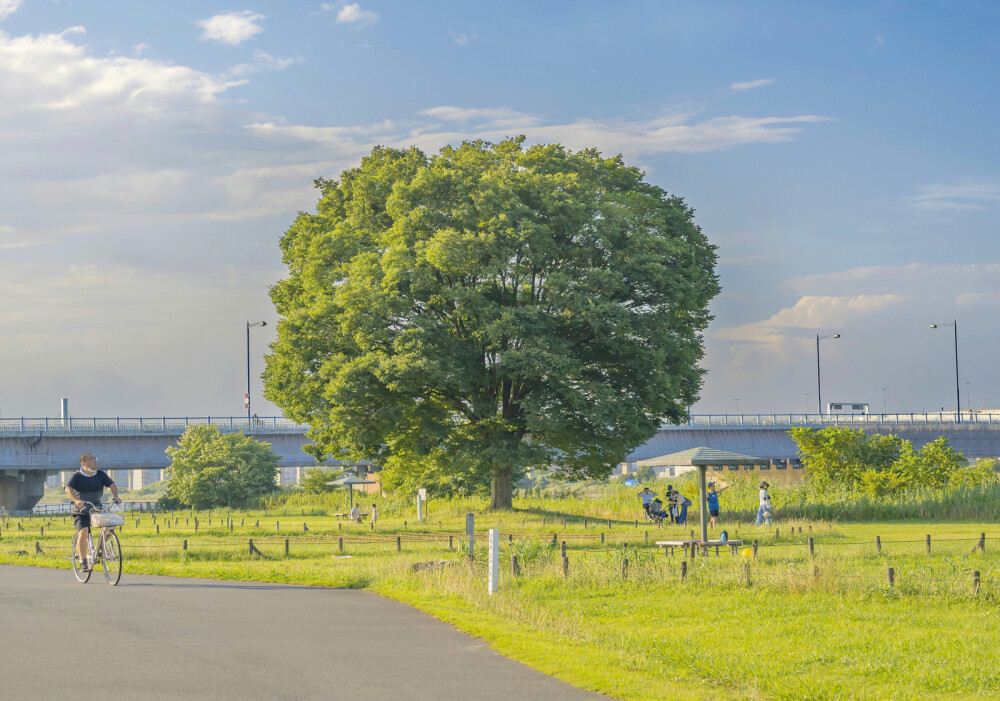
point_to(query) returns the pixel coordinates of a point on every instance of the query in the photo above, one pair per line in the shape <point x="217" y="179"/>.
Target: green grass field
<point x="783" y="625"/>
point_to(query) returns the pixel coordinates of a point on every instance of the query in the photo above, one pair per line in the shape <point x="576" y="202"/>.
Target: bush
<point x="210" y="469"/>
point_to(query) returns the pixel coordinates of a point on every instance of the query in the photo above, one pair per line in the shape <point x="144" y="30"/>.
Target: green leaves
<point x="210" y="469"/>
<point x="460" y="317"/>
<point x="878" y="465"/>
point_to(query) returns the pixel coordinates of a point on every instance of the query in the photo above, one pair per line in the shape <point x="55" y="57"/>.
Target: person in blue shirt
<point x="87" y="485"/>
<point x="712" y="500"/>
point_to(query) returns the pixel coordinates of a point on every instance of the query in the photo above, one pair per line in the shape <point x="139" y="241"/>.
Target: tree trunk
<point x="500" y="491"/>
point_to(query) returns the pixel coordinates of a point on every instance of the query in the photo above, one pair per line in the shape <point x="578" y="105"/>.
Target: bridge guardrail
<point x="723" y="420"/>
<point x="159" y="424"/>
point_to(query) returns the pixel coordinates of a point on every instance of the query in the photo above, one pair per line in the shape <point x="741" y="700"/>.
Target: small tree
<point x="646" y="474"/>
<point x="316" y="478"/>
<point x="210" y="469"/>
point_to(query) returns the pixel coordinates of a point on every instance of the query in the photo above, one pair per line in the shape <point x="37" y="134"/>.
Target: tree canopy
<point x="210" y="469"/>
<point x="879" y="465"/>
<point x="459" y="317"/>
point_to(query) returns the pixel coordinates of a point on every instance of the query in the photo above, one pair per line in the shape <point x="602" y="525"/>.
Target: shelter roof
<point x="701" y="456"/>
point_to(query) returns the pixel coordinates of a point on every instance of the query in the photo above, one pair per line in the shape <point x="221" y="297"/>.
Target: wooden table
<point x="703" y="544"/>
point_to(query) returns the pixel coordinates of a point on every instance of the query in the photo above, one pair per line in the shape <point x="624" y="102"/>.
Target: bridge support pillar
<point x="20" y="490"/>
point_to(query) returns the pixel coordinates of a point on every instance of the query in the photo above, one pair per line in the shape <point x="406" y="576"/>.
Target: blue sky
<point x="841" y="155"/>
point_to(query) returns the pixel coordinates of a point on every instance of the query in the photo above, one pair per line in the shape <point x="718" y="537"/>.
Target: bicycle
<point x="108" y="551"/>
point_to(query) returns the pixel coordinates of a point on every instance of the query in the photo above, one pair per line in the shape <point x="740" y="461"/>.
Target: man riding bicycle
<point x="87" y="485"/>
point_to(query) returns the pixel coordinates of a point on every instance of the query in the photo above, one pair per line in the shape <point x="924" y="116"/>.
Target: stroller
<point x="655" y="513"/>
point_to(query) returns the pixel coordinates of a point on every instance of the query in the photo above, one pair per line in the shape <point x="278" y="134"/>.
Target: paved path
<point x="172" y="639"/>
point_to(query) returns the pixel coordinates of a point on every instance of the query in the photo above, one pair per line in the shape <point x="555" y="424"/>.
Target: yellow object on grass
<point x="747" y="552"/>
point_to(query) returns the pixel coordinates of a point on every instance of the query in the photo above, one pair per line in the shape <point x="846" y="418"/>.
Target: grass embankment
<point x="789" y="626"/>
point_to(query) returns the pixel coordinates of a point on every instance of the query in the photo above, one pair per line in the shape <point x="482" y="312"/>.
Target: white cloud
<point x="666" y="134"/>
<point x="9" y="7"/>
<point x="49" y="73"/>
<point x="139" y="48"/>
<point x="231" y="28"/>
<point x="751" y="84"/>
<point x="263" y="62"/>
<point x="463" y="39"/>
<point x="353" y="14"/>
<point x="879" y="43"/>
<point x="959" y="195"/>
<point x="463" y="114"/>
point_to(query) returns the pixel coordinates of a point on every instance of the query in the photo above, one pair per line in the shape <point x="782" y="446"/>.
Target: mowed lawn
<point x="784" y="625"/>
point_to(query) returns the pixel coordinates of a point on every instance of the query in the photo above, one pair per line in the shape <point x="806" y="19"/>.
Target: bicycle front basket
<point x="107" y="520"/>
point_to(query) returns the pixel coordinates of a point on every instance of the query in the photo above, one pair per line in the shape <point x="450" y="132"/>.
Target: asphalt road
<point x="170" y="638"/>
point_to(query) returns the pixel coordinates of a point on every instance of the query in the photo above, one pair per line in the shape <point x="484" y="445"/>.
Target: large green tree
<point x="460" y="317"/>
<point x="209" y="469"/>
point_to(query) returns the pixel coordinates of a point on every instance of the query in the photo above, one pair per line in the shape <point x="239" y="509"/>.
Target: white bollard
<point x="494" y="570"/>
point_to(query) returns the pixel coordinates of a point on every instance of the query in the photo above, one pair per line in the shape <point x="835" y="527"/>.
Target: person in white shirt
<point x="647" y="496"/>
<point x="355" y="514"/>
<point x="764" y="510"/>
<point x="374" y="514"/>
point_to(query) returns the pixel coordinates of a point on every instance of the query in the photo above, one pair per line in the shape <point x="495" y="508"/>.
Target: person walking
<point x="712" y="500"/>
<point x="764" y="510"/>
<point x="374" y="514"/>
<point x="679" y="505"/>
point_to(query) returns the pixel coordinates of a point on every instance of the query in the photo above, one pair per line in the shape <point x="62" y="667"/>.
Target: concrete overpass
<point x="766" y="435"/>
<point x="33" y="449"/>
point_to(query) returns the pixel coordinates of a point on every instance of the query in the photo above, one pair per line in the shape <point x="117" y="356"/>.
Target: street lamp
<point x="958" y="396"/>
<point x="737" y="405"/>
<point x="819" y="386"/>
<point x="256" y="323"/>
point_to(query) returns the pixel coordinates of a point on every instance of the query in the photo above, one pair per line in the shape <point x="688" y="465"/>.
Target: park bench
<point x="704" y="545"/>
<point x="348" y="515"/>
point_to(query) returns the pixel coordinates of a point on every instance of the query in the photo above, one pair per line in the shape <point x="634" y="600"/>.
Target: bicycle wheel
<point x="81" y="576"/>
<point x="111" y="557"/>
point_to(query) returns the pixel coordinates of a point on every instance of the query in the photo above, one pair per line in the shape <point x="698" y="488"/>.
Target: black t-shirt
<point x="91" y="488"/>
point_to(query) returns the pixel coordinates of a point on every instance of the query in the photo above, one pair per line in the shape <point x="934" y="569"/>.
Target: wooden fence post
<point x="624" y="568"/>
<point x="286" y="547"/>
<point x="185" y="546"/>
<point x="399" y="544"/>
<point x="975" y="582"/>
<point x="684" y="569"/>
<point x="563" y="550"/>
<point x="755" y="549"/>
<point x="515" y="566"/>
<point x="602" y="537"/>
<point x="928" y="543"/>
<point x="451" y="545"/>
<point x="892" y="576"/>
<point x="340" y="543"/>
<point x="811" y="551"/>
<point x="878" y="544"/>
<point x="565" y="564"/>
<point x="982" y="542"/>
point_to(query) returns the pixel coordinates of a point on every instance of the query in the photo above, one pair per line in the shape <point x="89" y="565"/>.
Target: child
<point x="712" y="500"/>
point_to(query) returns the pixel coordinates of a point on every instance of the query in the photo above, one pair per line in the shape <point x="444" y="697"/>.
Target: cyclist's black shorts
<point x="81" y="521"/>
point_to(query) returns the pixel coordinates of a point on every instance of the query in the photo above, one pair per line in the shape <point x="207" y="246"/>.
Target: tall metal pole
<point x="248" y="372"/>
<point x="958" y="403"/>
<point x="958" y="395"/>
<point x="819" y="390"/>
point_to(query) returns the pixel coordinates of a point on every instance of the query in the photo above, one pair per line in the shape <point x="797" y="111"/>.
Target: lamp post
<point x="958" y="396"/>
<point x="883" y="400"/>
<point x="256" y="323"/>
<point x="819" y="385"/>
<point x="737" y="405"/>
